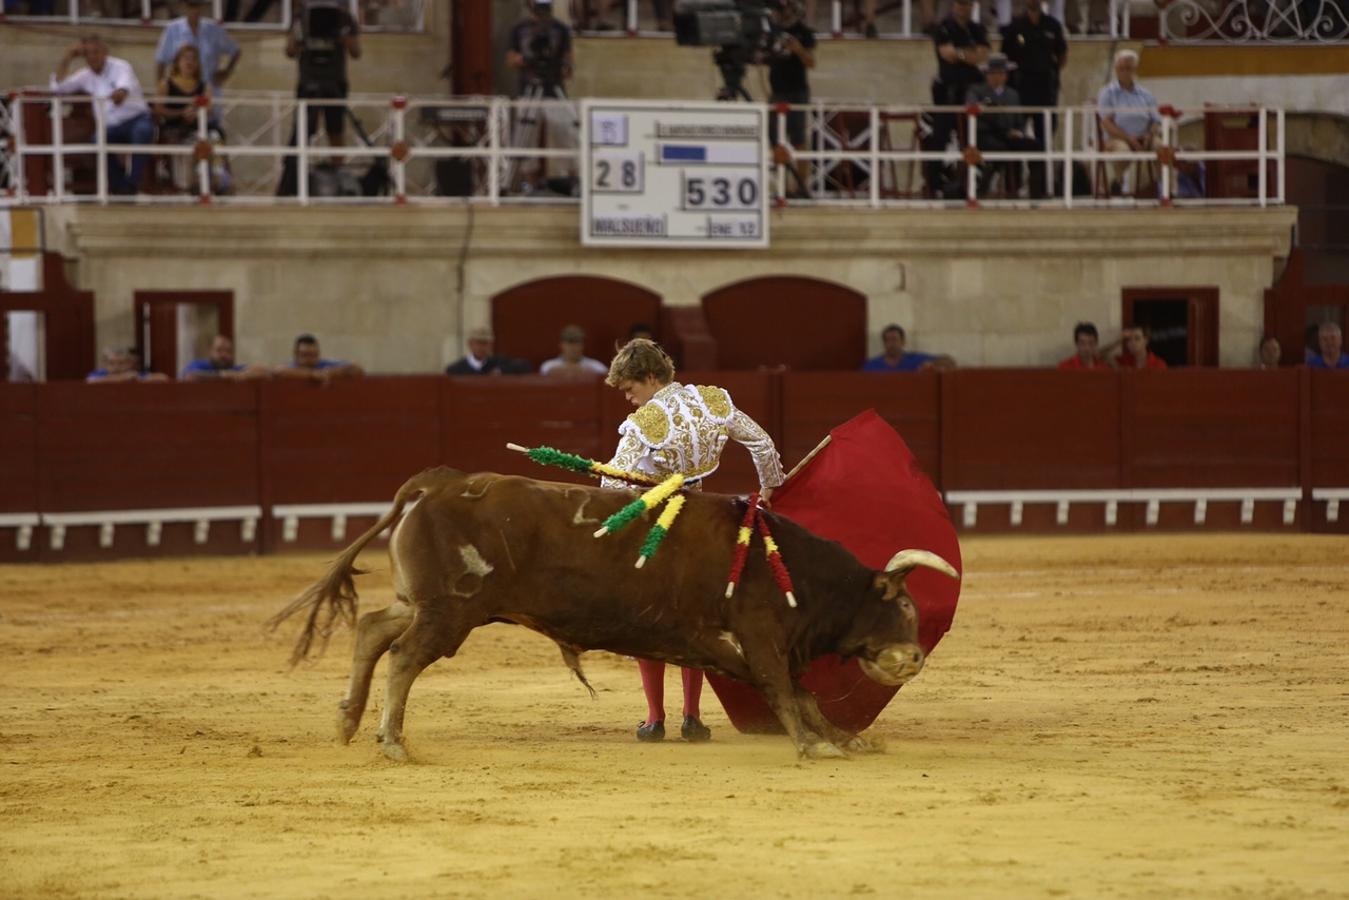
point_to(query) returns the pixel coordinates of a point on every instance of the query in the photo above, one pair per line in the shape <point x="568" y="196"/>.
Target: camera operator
<point x="322" y="36"/>
<point x="540" y="49"/>
<point x="789" y="53"/>
<point x="962" y="47"/>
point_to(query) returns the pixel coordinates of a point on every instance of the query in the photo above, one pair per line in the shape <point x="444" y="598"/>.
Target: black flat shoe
<point x="650" y="733"/>
<point x="694" y="731"/>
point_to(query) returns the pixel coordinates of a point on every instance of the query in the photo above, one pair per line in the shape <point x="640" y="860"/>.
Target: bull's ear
<point x="905" y="561"/>
<point x="889" y="585"/>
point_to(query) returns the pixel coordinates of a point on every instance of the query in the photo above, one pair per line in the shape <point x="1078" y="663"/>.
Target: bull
<point x="471" y="549"/>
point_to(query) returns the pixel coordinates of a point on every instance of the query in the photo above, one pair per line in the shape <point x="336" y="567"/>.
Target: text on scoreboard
<point x="674" y="175"/>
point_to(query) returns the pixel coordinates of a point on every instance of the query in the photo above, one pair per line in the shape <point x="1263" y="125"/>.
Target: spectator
<point x="540" y="50"/>
<point x="119" y="364"/>
<point x="895" y="359"/>
<point x="1189" y="177"/>
<point x="1000" y="132"/>
<point x="962" y="47"/>
<point x="572" y="361"/>
<point x="1129" y="118"/>
<point x="220" y="365"/>
<point x="1134" y="353"/>
<point x="126" y="117"/>
<point x="178" y="117"/>
<point x="1332" y="355"/>
<point x="788" y="58"/>
<point x="322" y="35"/>
<point x="480" y="360"/>
<point x="309" y="363"/>
<point x="213" y="44"/>
<point x="1270" y="353"/>
<point x="1034" y="42"/>
<point x="1087" y="340"/>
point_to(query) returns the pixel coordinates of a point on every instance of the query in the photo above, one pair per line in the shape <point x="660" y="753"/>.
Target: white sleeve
<point x="767" y="463"/>
<point x="626" y="458"/>
<point x="72" y="84"/>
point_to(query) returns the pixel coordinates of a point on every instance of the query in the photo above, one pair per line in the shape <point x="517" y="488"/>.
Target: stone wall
<point x="386" y="286"/>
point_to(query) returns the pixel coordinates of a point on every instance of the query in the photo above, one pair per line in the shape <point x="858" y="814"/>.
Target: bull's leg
<point x="769" y="669"/>
<point x="814" y="718"/>
<point x="434" y="633"/>
<point x="374" y="633"/>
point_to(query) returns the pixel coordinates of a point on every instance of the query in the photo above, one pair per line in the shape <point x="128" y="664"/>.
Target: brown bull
<point x="486" y="548"/>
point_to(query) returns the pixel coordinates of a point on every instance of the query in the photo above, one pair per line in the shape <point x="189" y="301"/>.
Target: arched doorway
<point x="802" y="323"/>
<point x="528" y="317"/>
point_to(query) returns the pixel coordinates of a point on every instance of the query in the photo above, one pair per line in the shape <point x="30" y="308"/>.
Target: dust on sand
<point x="1140" y="716"/>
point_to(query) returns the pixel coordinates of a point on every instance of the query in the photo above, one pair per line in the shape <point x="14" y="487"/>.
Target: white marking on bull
<point x="580" y="518"/>
<point x="731" y="639"/>
<point x="480" y="488"/>
<point x="474" y="567"/>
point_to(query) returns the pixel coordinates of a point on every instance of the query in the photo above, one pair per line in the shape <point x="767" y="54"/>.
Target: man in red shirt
<point x="1087" y="356"/>
<point x="1136" y="354"/>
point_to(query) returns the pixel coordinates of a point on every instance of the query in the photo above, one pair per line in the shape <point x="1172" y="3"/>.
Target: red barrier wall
<point x="70" y="447"/>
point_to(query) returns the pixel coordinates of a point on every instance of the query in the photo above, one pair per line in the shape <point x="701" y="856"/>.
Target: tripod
<point x="530" y="121"/>
<point x="731" y="62"/>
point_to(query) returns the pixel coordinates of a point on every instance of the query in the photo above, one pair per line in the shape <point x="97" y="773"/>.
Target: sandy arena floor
<point x="1152" y="716"/>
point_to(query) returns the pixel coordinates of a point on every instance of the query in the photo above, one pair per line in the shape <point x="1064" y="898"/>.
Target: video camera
<point x="744" y="24"/>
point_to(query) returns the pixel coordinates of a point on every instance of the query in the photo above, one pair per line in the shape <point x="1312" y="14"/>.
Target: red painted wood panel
<point x="18" y="448"/>
<point x="815" y="402"/>
<point x="803" y="323"/>
<point x="528" y="318"/>
<point x="1211" y="428"/>
<point x="1329" y="429"/>
<point x="144" y="446"/>
<point x="479" y="416"/>
<point x="351" y="440"/>
<point x="1004" y="429"/>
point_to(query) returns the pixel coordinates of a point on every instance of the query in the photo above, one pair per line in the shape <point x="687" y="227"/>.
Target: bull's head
<point x="890" y="653"/>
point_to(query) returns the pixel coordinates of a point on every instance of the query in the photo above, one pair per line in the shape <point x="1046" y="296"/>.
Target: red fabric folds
<point x="866" y="491"/>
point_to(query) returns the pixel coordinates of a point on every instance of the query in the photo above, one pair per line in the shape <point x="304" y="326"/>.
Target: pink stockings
<point x="653" y="685"/>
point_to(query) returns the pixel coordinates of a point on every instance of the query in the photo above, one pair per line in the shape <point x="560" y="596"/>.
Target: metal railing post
<point x="971" y="171"/>
<point x="204" y="164"/>
<point x="1168" y="160"/>
<point x="1047" y="142"/>
<point x="287" y="13"/>
<point x="875" y="149"/>
<point x="908" y="18"/>
<point x="101" y="136"/>
<point x="58" y="158"/>
<point x="302" y="148"/>
<point x="1068" y="158"/>
<point x="145" y="10"/>
<point x="1281" y="147"/>
<point x="494" y="156"/>
<point x="632" y="17"/>
<point x="781" y="122"/>
<point x="836" y="18"/>
<point x="20" y="181"/>
<point x="400" y="174"/>
<point x="1262" y="143"/>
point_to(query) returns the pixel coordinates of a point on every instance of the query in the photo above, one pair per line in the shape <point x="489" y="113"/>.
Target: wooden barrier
<point x="145" y="469"/>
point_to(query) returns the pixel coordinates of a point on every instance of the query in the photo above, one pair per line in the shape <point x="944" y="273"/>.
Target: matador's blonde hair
<point x="636" y="360"/>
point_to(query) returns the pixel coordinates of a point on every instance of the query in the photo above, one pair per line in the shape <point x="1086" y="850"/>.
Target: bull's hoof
<point x="859" y="744"/>
<point x="823" y="750"/>
<point x="346" y="727"/>
<point x="394" y="751"/>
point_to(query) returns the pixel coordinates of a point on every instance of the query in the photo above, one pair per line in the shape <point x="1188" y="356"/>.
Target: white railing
<point x="1255" y="21"/>
<point x="907" y="19"/>
<point x="373" y="15"/>
<point x="494" y="150"/>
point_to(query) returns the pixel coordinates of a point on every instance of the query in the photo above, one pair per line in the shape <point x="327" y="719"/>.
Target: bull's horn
<point x="908" y="559"/>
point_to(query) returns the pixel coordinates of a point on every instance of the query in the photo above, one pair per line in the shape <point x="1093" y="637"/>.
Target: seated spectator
<point x="1332" y="355"/>
<point x="895" y="359"/>
<point x="480" y="360"/>
<point x="1270" y="353"/>
<point x="178" y="117"/>
<point x="213" y="44"/>
<point x="1135" y="353"/>
<point x="1087" y="356"/>
<point x="126" y="117"/>
<point x="1000" y="132"/>
<point x="1129" y="118"/>
<point x="309" y="363"/>
<point x="1191" y="177"/>
<point x="220" y="365"/>
<point x="572" y="362"/>
<point x="120" y="364"/>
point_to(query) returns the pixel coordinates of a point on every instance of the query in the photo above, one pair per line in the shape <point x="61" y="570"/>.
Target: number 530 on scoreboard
<point x="673" y="174"/>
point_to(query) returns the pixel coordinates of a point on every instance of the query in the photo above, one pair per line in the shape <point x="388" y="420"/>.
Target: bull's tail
<point x="333" y="596"/>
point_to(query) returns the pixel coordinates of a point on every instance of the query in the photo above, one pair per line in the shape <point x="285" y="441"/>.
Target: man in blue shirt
<point x="308" y="363"/>
<point x="213" y="44"/>
<point x="1332" y="355"/>
<point x="220" y="365"/>
<point x="894" y="359"/>
<point x="1129" y="117"/>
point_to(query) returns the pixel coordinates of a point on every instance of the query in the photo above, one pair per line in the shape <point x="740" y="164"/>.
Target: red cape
<point x="866" y="491"/>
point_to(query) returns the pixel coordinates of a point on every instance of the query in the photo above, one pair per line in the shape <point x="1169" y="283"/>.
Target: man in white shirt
<point x="213" y="44"/>
<point x="571" y="361"/>
<point x="118" y="102"/>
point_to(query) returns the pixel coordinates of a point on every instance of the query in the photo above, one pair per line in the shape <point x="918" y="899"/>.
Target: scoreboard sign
<point x="661" y="174"/>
